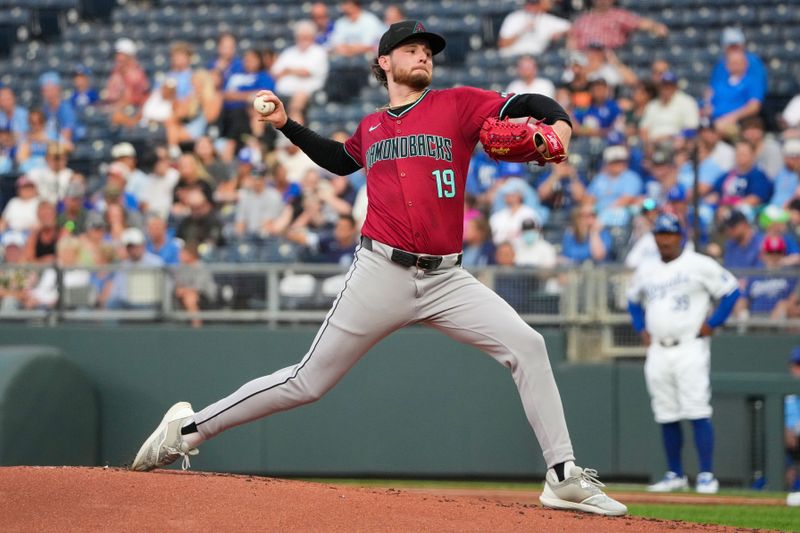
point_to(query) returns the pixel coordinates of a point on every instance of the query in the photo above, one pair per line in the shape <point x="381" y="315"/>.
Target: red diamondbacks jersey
<point x="416" y="164"/>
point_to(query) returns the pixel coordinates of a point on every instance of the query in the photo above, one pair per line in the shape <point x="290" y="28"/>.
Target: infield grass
<point x="776" y="518"/>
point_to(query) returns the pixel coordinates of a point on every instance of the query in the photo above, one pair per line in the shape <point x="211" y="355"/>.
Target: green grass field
<point x="777" y="518"/>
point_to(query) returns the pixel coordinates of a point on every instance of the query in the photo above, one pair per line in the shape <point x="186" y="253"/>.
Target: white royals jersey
<point x="677" y="296"/>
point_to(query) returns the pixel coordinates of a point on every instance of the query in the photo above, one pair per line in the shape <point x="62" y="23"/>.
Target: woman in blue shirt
<point x="586" y="239"/>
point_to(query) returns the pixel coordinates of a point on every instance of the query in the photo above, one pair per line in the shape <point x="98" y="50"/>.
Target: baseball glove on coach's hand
<point x="523" y="142"/>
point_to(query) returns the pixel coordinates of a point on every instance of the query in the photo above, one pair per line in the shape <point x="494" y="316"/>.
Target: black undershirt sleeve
<point x="537" y="106"/>
<point x="327" y="153"/>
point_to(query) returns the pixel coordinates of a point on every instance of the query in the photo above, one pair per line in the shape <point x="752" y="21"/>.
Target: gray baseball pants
<point x="448" y="299"/>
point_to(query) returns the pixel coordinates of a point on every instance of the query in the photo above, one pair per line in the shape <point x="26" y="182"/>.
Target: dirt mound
<point x="108" y="499"/>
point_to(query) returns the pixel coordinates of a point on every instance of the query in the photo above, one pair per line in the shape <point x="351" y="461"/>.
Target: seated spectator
<point x="136" y="284"/>
<point x="82" y="94"/>
<point x="672" y="114"/>
<point x="335" y="246"/>
<point x="8" y="151"/>
<point x="191" y="176"/>
<point x="293" y="159"/>
<point x="190" y="118"/>
<point x="15" y="280"/>
<point x="663" y="174"/>
<point x="735" y="92"/>
<point x="158" y="193"/>
<point x="127" y="84"/>
<point x="42" y="240"/>
<point x="227" y="62"/>
<point x="114" y="191"/>
<point x="768" y="149"/>
<point x="61" y="118"/>
<point x="506" y="223"/>
<point x="20" y="212"/>
<point x="743" y="244"/>
<point x="479" y="250"/>
<point x="300" y="70"/>
<point x="774" y="292"/>
<point x="160" y="105"/>
<point x="123" y="156"/>
<point x="96" y="246"/>
<point x="610" y="26"/>
<point x="530" y="30"/>
<point x="72" y="210"/>
<point x="615" y="188"/>
<point x="562" y="187"/>
<point x="52" y="179"/>
<point x="633" y="108"/>
<point x="528" y="80"/>
<point x="160" y="242"/>
<point x="745" y="185"/>
<point x="586" y="239"/>
<point x="202" y="226"/>
<point x="514" y="178"/>
<point x="13" y="117"/>
<point x="485" y="176"/>
<point x="716" y="156"/>
<point x="180" y="62"/>
<point x="226" y="193"/>
<point x="603" y="63"/>
<point x="45" y="294"/>
<point x="790" y="118"/>
<point x="33" y="147"/>
<point x="195" y="288"/>
<point x="392" y="14"/>
<point x="218" y="170"/>
<point x="356" y="32"/>
<point x="599" y="118"/>
<point x="787" y="182"/>
<point x="532" y="249"/>
<point x="238" y="96"/>
<point x="573" y="91"/>
<point x="322" y="23"/>
<point x="259" y="205"/>
<point x="774" y="222"/>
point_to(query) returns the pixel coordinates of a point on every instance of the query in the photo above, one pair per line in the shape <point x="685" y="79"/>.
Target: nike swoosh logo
<point x="373" y="128"/>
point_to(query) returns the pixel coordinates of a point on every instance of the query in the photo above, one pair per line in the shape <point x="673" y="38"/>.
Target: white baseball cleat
<point x="669" y="483"/>
<point x="707" y="483"/>
<point x="580" y="491"/>
<point x="166" y="444"/>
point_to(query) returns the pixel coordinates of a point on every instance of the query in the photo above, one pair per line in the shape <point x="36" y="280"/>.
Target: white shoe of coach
<point x="707" y="483"/>
<point x="669" y="483"/>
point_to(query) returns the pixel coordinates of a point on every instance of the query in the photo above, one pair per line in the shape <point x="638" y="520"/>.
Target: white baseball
<point x="263" y="106"/>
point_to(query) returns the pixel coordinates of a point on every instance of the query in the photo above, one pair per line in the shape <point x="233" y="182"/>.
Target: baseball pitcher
<point x="415" y="152"/>
<point x="669" y="301"/>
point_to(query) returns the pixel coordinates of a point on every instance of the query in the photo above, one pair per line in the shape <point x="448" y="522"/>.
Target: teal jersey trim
<point x="409" y="108"/>
<point x="503" y="109"/>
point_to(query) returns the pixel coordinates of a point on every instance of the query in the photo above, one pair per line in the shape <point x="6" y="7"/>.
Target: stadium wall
<point x="419" y="404"/>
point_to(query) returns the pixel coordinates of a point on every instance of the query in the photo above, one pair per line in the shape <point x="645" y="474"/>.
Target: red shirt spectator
<point x="127" y="83"/>
<point x="610" y="26"/>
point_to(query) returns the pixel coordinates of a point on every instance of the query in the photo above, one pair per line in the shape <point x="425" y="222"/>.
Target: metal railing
<point x="589" y="302"/>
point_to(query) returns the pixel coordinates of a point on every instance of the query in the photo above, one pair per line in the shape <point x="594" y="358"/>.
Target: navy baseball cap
<point x="402" y="31"/>
<point x="667" y="223"/>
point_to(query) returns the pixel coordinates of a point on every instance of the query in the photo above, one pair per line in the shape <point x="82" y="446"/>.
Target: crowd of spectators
<point x="218" y="178"/>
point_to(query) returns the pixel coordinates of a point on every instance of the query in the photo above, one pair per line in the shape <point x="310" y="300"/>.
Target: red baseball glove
<point x="522" y="142"/>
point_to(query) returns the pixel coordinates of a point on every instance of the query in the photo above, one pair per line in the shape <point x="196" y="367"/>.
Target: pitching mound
<point x="108" y="499"/>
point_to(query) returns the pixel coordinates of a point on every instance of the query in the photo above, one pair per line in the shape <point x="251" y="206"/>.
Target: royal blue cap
<point x="676" y="194"/>
<point x="667" y="223"/>
<point x="83" y="70"/>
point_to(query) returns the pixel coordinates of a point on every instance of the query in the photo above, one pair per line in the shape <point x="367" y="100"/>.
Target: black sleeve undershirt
<point x="327" y="153"/>
<point x="537" y="106"/>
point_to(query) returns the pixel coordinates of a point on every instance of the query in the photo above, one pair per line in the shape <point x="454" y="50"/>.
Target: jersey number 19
<point x="445" y="183"/>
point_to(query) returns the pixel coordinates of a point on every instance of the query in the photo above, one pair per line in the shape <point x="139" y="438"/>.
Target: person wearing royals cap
<point x="772" y="293"/>
<point x="670" y="302"/>
<point x="83" y="94"/>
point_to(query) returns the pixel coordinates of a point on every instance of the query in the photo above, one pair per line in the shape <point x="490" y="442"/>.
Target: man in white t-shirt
<point x="673" y="113"/>
<point x="356" y="31"/>
<point x="528" y="80"/>
<point x="157" y="194"/>
<point x="20" y="212"/>
<point x="529" y="30"/>
<point x="531" y="248"/>
<point x="300" y="70"/>
<point x="507" y="222"/>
